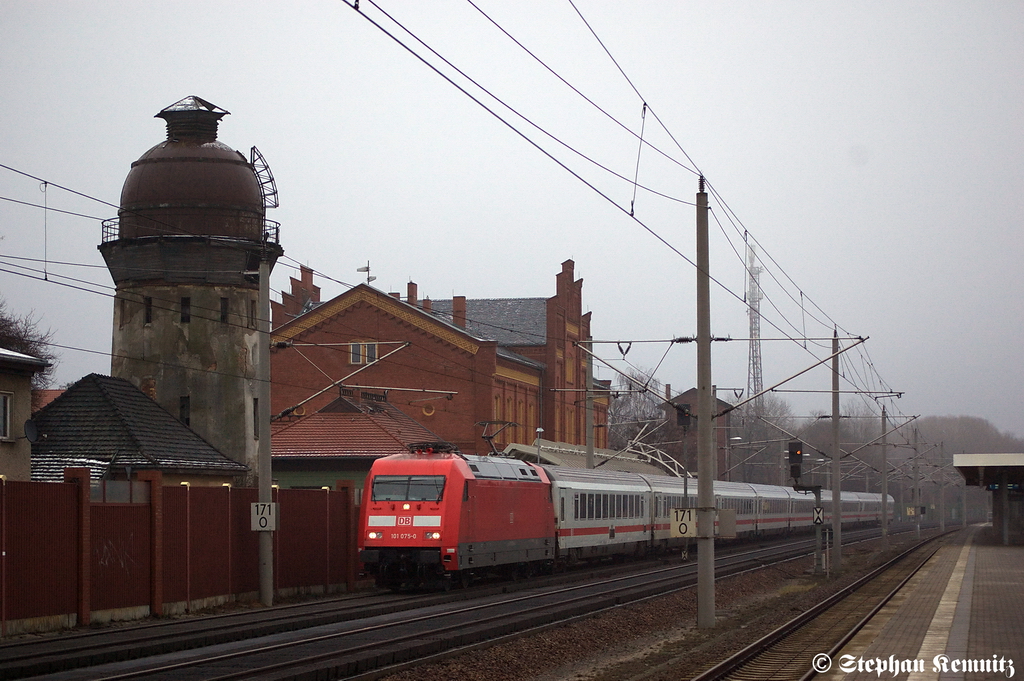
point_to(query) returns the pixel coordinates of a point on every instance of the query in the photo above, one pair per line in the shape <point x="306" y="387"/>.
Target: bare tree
<point x="762" y="427"/>
<point x="634" y="408"/>
<point x="967" y="434"/>
<point x="21" y="333"/>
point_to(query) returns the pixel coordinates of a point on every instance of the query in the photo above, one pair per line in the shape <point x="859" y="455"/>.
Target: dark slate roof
<point x="510" y="321"/>
<point x="102" y="422"/>
<point x="348" y="428"/>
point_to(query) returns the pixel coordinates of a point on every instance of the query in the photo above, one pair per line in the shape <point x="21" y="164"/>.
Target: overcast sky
<point x="872" y="150"/>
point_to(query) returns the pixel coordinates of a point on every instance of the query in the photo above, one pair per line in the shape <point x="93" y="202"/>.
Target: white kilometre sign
<point x="684" y="523"/>
<point x="263" y="517"/>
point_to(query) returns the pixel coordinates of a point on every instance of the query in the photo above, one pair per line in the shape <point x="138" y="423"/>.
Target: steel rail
<point x="732" y="666"/>
<point x="638" y="586"/>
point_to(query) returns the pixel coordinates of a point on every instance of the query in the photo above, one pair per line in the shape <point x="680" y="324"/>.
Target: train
<point x="435" y="518"/>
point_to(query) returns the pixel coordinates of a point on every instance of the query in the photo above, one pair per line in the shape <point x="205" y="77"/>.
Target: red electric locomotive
<point x="432" y="516"/>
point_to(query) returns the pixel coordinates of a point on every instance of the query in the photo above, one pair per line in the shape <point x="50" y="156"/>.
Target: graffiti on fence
<point x="115" y="554"/>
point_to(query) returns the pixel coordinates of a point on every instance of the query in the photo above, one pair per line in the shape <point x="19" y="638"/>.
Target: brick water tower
<point x="184" y="253"/>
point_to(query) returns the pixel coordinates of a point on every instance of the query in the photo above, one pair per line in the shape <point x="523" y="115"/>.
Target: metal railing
<point x="111" y="231"/>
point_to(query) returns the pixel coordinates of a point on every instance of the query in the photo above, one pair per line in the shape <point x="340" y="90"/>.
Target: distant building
<point x="511" y="360"/>
<point x="16" y="371"/>
<point x="112" y="428"/>
<point x="681" y="432"/>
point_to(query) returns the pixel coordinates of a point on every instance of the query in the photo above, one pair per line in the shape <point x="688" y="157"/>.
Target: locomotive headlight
<point x="406" y="507"/>
<point x="433" y="535"/>
<point x="375" y="535"/>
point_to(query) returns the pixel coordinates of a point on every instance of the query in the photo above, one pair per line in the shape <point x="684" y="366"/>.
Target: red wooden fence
<point x="72" y="552"/>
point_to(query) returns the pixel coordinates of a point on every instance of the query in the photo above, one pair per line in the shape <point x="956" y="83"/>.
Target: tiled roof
<point x="348" y="429"/>
<point x="102" y="422"/>
<point x="42" y="397"/>
<point x="510" y="321"/>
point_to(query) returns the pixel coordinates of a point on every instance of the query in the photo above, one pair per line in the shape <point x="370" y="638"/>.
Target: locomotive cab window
<point x="408" y="488"/>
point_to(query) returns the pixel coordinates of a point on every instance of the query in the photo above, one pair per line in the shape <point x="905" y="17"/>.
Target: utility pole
<point x="837" y="484"/>
<point x="705" y="430"/>
<point x="590" y="403"/>
<point x="266" y="538"/>
<point x="917" y="493"/>
<point x="885" y="483"/>
<point x="942" y="488"/>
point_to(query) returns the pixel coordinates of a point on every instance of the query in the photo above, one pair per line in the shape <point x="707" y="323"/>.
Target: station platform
<point x="961" y="617"/>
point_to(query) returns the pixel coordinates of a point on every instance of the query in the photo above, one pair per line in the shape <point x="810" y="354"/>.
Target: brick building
<point x="681" y="432"/>
<point x="455" y="364"/>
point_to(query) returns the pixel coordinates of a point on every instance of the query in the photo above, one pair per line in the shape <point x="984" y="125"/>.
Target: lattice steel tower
<point x="754" y="384"/>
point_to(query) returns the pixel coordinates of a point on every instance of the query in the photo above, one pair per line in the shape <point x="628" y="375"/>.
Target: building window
<point x="185" y="409"/>
<point x="122" y="312"/>
<point x="5" y="416"/>
<point x="186" y="309"/>
<point x="252" y="314"/>
<point x="223" y="309"/>
<point x="362" y="353"/>
<point x="147" y="303"/>
<point x="256" y="418"/>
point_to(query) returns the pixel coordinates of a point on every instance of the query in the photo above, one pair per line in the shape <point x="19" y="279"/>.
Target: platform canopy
<point x="987" y="469"/>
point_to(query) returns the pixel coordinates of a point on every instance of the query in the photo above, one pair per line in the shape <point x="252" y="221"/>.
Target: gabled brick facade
<point x="501" y="360"/>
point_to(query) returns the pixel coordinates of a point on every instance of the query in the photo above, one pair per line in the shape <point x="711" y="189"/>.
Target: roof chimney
<point x="427" y="305"/>
<point x="459" y="311"/>
<point x="411" y="291"/>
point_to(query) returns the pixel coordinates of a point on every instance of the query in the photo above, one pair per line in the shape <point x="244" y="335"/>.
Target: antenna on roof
<point x="367" y="270"/>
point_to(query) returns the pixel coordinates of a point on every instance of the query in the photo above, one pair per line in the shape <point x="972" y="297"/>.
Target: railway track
<point x="30" y="657"/>
<point x="788" y="653"/>
<point x="363" y="648"/>
<point x="346" y="634"/>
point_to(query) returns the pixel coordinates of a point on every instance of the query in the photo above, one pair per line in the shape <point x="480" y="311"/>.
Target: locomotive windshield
<point x="408" y="487"/>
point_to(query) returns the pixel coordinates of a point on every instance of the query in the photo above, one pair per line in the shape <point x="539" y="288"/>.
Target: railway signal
<point x="796" y="455"/>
